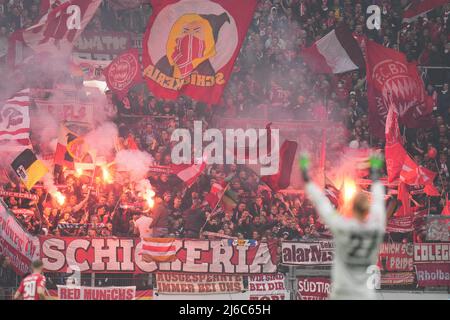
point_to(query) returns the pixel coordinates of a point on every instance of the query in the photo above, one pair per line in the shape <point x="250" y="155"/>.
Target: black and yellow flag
<point x="28" y="168"/>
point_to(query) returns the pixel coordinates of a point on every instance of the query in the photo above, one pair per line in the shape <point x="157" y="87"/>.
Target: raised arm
<point x="326" y="211"/>
<point x="377" y="213"/>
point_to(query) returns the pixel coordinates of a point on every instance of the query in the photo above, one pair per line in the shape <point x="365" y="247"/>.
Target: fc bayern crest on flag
<point x="190" y="46"/>
<point x="123" y="72"/>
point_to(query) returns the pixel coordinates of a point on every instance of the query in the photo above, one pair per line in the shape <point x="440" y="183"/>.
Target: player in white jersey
<point x="356" y="239"/>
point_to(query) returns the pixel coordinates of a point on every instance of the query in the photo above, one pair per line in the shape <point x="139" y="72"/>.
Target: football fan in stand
<point x="356" y="238"/>
<point x="32" y="286"/>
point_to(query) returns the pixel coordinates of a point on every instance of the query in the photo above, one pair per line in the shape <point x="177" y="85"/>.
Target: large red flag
<point x="394" y="152"/>
<point x="282" y="178"/>
<point x="414" y="174"/>
<point x="392" y="80"/>
<point x="395" y="155"/>
<point x="190" y="46"/>
<point x="57" y="30"/>
<point x="123" y="72"/>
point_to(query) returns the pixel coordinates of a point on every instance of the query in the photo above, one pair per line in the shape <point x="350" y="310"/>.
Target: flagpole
<point x="215" y="207"/>
<point x="440" y="176"/>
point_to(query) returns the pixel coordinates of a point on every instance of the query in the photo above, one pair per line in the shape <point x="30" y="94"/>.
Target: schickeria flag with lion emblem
<point x="190" y="46"/>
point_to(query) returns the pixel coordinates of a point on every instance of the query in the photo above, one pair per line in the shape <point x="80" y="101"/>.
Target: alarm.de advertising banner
<point x="190" y="46"/>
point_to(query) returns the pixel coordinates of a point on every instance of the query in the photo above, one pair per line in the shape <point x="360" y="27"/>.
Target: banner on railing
<point x="433" y="274"/>
<point x="66" y="110"/>
<point x="103" y="42"/>
<point x="397" y="278"/>
<point x="100" y="293"/>
<point x="16" y="243"/>
<point x="186" y="283"/>
<point x="267" y="287"/>
<point x="115" y="255"/>
<point x="431" y="252"/>
<point x="396" y="256"/>
<point x="307" y="253"/>
<point x="313" y="288"/>
<point x="21" y="195"/>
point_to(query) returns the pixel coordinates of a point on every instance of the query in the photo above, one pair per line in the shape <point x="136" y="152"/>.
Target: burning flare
<point x="348" y="194"/>
<point x="60" y="198"/>
<point x="149" y="195"/>
<point x="78" y="172"/>
<point x="107" y="178"/>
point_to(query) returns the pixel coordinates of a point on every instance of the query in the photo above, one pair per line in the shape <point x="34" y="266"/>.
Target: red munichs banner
<point x="391" y="79"/>
<point x="190" y="46"/>
<point x="123" y="72"/>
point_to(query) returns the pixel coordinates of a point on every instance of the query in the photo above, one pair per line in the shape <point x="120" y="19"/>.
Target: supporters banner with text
<point x="182" y="283"/>
<point x="16" y="243"/>
<point x="433" y="274"/>
<point x="313" y="288"/>
<point x="116" y="255"/>
<point x="190" y="46"/>
<point x="102" y="293"/>
<point x="396" y="256"/>
<point x="267" y="287"/>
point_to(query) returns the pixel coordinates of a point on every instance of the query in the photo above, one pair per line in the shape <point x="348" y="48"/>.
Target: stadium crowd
<point x="269" y="80"/>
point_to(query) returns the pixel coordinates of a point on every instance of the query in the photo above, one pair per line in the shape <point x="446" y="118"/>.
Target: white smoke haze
<point x="44" y="131"/>
<point x="49" y="182"/>
<point x="135" y="162"/>
<point x="102" y="139"/>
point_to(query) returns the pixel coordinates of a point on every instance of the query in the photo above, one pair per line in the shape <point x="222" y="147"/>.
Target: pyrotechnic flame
<point x="78" y="172"/>
<point x="107" y="178"/>
<point x="149" y="195"/>
<point x="349" y="190"/>
<point x="348" y="194"/>
<point x="60" y="198"/>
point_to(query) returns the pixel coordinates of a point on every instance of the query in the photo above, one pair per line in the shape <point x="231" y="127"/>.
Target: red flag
<point x="214" y="194"/>
<point x="392" y="80"/>
<point x="414" y="174"/>
<point x="190" y="46"/>
<point x="446" y="209"/>
<point x="189" y="173"/>
<point x="57" y="31"/>
<point x="418" y="8"/>
<point x="431" y="190"/>
<point x="123" y="72"/>
<point x="336" y="52"/>
<point x="282" y="179"/>
<point x="404" y="197"/>
<point x="395" y="155"/>
<point x="394" y="151"/>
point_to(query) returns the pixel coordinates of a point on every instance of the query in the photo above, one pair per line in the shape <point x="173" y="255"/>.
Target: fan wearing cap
<point x="356" y="238"/>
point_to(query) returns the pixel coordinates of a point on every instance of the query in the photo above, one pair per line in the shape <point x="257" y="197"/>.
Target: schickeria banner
<point x="115" y="255"/>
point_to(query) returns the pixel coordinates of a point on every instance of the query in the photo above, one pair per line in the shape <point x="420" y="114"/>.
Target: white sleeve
<point x="377" y="214"/>
<point x="326" y="211"/>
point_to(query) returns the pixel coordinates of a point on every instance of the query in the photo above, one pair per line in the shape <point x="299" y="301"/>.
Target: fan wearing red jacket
<point x="32" y="286"/>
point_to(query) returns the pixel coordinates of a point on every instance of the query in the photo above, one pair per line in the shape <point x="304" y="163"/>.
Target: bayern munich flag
<point x="190" y="46"/>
